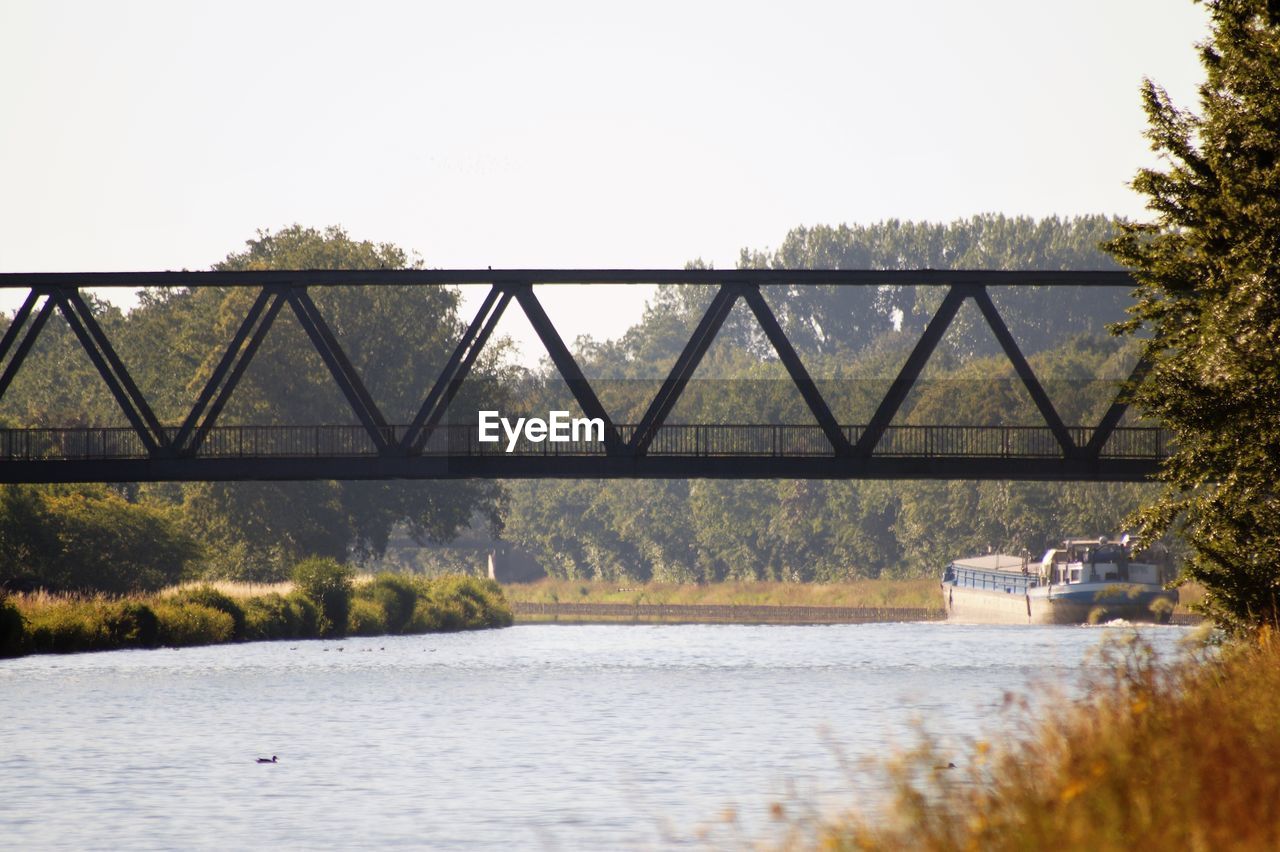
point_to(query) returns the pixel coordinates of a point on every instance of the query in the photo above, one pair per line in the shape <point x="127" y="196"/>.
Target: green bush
<point x="12" y="630"/>
<point x="327" y="582"/>
<point x="205" y="616"/>
<point x="307" y="615"/>
<point x="87" y="538"/>
<point x="270" y="616"/>
<point x="130" y="624"/>
<point x="396" y="596"/>
<point x="459" y="602"/>
<point x="67" y="628"/>
<point x="193" y="624"/>
<point x="367" y="618"/>
<point x="427" y="618"/>
<point x="211" y="597"/>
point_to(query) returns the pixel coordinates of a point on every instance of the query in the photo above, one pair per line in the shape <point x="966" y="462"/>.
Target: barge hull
<point x="1083" y="606"/>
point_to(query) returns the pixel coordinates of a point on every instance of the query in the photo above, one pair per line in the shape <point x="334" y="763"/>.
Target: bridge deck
<point x="677" y="451"/>
<point x="202" y="448"/>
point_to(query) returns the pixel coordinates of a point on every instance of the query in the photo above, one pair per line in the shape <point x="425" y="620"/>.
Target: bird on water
<point x="273" y="759"/>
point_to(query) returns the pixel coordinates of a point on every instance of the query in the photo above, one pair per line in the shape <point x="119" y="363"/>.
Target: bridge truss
<point x="199" y="448"/>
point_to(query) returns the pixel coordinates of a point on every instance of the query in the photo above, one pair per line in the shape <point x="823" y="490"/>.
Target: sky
<point x="162" y="135"/>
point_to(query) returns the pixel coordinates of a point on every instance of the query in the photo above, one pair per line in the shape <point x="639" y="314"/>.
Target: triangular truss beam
<point x="703" y="336"/>
<point x="924" y="348"/>
<point x="94" y="341"/>
<point x="186" y="441"/>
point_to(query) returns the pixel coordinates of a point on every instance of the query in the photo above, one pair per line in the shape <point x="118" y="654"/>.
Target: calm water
<point x="539" y="736"/>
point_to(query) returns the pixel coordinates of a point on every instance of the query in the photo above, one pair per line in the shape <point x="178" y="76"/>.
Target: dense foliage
<point x="703" y="530"/>
<point x="1209" y="308"/>
<point x="90" y="538"/>
<point x="327" y="583"/>
<point x="852" y="339"/>
<point x="396" y="337"/>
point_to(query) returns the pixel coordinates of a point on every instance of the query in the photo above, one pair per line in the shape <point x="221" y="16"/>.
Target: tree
<point x="830" y="320"/>
<point x="397" y="338"/>
<point x="88" y="538"/>
<point x="1208" y="271"/>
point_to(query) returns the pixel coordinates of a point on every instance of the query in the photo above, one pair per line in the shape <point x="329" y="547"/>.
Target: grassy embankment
<point x="885" y="594"/>
<point x="1154" y="758"/>
<point x="882" y="594"/>
<point x="209" y="614"/>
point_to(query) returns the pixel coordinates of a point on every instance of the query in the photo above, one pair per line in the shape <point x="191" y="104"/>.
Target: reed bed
<point x="232" y="588"/>
<point x="1154" y="757"/>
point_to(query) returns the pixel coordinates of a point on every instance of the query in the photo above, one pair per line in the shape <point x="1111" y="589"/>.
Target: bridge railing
<point x="289" y="441"/>
<point x="696" y="440"/>
<point x="85" y="443"/>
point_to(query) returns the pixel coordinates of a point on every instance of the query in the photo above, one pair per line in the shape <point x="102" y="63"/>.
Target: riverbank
<point x="1182" y="757"/>
<point x="604" y="613"/>
<point x="860" y="602"/>
<point x="873" y="594"/>
<point x="204" y="615"/>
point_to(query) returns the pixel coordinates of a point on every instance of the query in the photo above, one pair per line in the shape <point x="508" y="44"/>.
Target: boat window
<point x="1112" y="553"/>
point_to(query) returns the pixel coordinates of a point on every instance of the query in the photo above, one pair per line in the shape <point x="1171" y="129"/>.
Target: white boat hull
<point x="1089" y="603"/>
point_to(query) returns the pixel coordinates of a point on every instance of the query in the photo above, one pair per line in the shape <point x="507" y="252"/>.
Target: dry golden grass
<point x="862" y="593"/>
<point x="231" y="588"/>
<point x="239" y="590"/>
<point x="1153" y="759"/>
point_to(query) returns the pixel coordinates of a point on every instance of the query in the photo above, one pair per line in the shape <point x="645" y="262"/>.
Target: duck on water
<point x="1081" y="581"/>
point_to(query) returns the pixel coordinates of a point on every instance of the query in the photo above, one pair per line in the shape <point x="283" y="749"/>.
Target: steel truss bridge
<point x="199" y="448"/>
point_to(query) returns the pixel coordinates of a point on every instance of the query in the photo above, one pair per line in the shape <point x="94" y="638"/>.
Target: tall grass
<point x="920" y="593"/>
<point x="1154" y="758"/>
<point x="204" y="615"/>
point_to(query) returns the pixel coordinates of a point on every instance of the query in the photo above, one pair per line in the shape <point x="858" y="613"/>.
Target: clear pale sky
<point x="161" y="135"/>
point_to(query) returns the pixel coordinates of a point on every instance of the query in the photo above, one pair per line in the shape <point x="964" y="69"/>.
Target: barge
<point x="1083" y="581"/>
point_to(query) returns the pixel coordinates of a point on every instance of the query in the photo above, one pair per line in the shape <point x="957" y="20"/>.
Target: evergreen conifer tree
<point x="1208" y="272"/>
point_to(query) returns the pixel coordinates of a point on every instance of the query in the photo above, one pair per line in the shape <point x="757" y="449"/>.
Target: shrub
<point x="130" y="624"/>
<point x="435" y="616"/>
<point x="12" y="630"/>
<point x="275" y="616"/>
<point x="91" y="539"/>
<point x="327" y="582"/>
<point x="66" y="628"/>
<point x="193" y="624"/>
<point x="211" y="597"/>
<point x="459" y="602"/>
<point x="305" y="614"/>
<point x="270" y="616"/>
<point x="367" y="618"/>
<point x="205" y="616"/>
<point x="397" y="596"/>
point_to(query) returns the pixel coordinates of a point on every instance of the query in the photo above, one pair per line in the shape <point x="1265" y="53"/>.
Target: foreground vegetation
<point x="1155" y="757"/>
<point x="324" y="603"/>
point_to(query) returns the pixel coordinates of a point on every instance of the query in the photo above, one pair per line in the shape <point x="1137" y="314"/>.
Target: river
<point x="538" y="736"/>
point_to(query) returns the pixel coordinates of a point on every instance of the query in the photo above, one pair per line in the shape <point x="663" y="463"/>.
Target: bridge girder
<point x="182" y="453"/>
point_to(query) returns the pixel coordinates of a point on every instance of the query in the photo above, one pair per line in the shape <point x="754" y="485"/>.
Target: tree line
<point x="852" y="339"/>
